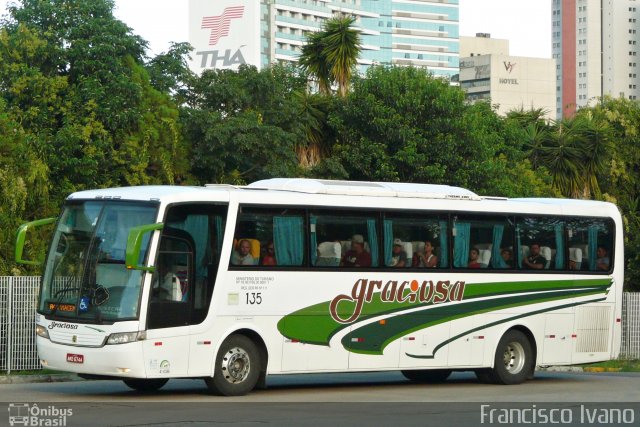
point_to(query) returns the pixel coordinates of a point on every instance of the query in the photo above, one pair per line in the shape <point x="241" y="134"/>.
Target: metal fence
<point x="18" y="299"/>
<point x="630" y="326"/>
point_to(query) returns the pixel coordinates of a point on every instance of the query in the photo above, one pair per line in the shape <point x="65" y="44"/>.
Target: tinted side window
<point x="419" y="241"/>
<point x="541" y="243"/>
<point x="269" y="238"/>
<point x="346" y="240"/>
<point x="590" y="244"/>
<point x="483" y="242"/>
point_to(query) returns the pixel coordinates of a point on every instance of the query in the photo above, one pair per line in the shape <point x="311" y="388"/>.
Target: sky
<point x="525" y="23"/>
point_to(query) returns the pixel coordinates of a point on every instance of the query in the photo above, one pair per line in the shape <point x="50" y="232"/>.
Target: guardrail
<point x="18" y="300"/>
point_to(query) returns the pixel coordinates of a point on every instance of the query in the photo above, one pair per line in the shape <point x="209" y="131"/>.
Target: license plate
<point x="75" y="358"/>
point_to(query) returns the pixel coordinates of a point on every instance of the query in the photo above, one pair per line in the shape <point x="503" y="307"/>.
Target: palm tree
<point x="596" y="152"/>
<point x="342" y="47"/>
<point x="314" y="61"/>
<point x="331" y="54"/>
<point x="311" y="118"/>
<point x="536" y="140"/>
<point x="564" y="157"/>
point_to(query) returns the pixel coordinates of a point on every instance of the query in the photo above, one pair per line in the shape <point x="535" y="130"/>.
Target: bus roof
<point x="318" y="187"/>
<point x="363" y="188"/>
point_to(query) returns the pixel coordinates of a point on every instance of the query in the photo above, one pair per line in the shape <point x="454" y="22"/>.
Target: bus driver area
<point x="231" y="284"/>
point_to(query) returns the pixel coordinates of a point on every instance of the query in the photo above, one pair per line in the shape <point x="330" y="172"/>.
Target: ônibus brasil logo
<point x="219" y="26"/>
<point x="396" y="292"/>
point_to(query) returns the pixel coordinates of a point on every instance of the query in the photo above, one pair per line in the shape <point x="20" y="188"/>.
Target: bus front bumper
<point x="120" y="360"/>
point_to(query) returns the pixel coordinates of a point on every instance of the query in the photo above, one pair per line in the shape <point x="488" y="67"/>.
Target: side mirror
<point x="21" y="237"/>
<point x="134" y="244"/>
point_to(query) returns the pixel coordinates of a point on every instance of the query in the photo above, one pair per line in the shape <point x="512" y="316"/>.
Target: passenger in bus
<point x="357" y="256"/>
<point x="242" y="255"/>
<point x="474" y="254"/>
<point x="398" y="256"/>
<point x="507" y="257"/>
<point x="602" y="262"/>
<point x="425" y="259"/>
<point x="269" y="257"/>
<point x="166" y="284"/>
<point x="534" y="260"/>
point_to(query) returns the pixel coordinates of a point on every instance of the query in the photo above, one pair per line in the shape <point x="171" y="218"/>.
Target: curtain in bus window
<point x="461" y="244"/>
<point x="388" y="241"/>
<point x="373" y="241"/>
<point x="559" y="247"/>
<point x="519" y="247"/>
<point x="314" y="239"/>
<point x="593" y="246"/>
<point x="198" y="227"/>
<point x="219" y="224"/>
<point x="496" y="256"/>
<point x="288" y="239"/>
<point x="444" y="245"/>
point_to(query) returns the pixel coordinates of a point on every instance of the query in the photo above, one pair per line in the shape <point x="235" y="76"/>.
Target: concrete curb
<point x="560" y="369"/>
<point x="46" y="378"/>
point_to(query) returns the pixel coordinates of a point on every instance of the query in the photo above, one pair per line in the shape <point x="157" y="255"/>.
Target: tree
<point x="332" y="53"/>
<point x="73" y="77"/>
<point x="402" y="124"/>
<point x="244" y="125"/>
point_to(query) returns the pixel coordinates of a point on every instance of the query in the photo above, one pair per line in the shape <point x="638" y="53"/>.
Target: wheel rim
<point x="514" y="357"/>
<point x="236" y="365"/>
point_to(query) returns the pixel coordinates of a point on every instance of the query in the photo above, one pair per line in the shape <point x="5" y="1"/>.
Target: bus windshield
<point x="85" y="275"/>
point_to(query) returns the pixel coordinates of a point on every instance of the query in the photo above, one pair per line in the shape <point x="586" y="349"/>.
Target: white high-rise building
<point x="595" y="44"/>
<point x="419" y="33"/>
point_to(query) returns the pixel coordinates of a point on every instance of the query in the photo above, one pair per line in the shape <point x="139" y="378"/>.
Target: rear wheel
<point x="427" y="375"/>
<point x="513" y="361"/>
<point x="146" y="385"/>
<point x="237" y="367"/>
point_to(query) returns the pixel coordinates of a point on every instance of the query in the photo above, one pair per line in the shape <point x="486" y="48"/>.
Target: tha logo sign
<point x="219" y="27"/>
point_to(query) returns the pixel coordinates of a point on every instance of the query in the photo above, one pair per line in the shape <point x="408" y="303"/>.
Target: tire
<point x="237" y="367"/>
<point x="427" y="375"/>
<point x="513" y="362"/>
<point x="146" y="385"/>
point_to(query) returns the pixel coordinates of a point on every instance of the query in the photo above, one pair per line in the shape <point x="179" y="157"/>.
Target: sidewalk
<point x="38" y="378"/>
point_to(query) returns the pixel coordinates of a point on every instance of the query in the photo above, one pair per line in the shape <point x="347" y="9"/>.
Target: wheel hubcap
<point x="514" y="357"/>
<point x="236" y="365"/>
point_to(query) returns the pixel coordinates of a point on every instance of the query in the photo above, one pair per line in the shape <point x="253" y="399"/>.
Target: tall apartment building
<point x="420" y="33"/>
<point x="595" y="44"/>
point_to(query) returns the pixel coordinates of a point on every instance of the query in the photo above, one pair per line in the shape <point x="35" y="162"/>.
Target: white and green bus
<point x="231" y="284"/>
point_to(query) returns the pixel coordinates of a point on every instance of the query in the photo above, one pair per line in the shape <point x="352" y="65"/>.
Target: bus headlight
<point x="126" y="337"/>
<point x="41" y="331"/>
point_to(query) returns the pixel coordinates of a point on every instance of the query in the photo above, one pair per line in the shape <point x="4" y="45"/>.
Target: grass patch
<point x="619" y="365"/>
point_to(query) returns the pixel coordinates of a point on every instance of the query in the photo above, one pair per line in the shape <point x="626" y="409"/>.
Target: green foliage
<point x="74" y="88"/>
<point x="242" y="124"/>
<point x="402" y="124"/>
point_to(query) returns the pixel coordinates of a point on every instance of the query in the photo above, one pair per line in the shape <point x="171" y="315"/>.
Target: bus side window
<point x="483" y="242"/>
<point x="542" y="243"/>
<point x="268" y="238"/>
<point x="590" y="242"/>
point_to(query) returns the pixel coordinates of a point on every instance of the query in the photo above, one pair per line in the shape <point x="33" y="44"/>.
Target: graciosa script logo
<point x="394" y="291"/>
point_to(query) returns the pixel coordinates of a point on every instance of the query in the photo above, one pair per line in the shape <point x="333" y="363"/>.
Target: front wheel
<point x="237" y="367"/>
<point x="513" y="361"/>
<point x="427" y="375"/>
<point x="145" y="385"/>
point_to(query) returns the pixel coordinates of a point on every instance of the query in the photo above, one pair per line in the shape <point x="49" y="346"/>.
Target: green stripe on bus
<point x="374" y="337"/>
<point x="314" y="325"/>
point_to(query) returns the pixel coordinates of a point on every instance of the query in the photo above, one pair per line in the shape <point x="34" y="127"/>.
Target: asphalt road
<point x="367" y="399"/>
